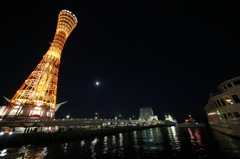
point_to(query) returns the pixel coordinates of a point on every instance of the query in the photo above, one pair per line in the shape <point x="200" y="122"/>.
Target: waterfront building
<point x="146" y="113"/>
<point x="37" y="96"/>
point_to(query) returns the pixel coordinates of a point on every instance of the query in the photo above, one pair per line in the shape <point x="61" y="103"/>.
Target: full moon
<point x="97" y="83"/>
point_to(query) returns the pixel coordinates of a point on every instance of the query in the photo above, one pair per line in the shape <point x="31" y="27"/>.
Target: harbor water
<point x="159" y="142"/>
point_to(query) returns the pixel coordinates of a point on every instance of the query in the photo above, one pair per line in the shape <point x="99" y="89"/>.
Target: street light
<point x="67" y="116"/>
<point x="96" y="116"/>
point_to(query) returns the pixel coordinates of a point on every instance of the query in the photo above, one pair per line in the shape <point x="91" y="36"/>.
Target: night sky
<point x="167" y="55"/>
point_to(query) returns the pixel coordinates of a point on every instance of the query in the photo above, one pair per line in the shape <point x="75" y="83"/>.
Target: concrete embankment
<point x="33" y="138"/>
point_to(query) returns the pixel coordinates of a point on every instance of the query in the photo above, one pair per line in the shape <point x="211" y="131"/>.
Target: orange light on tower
<point x="36" y="98"/>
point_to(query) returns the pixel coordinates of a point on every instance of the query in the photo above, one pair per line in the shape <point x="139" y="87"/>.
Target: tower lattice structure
<point x="36" y="98"/>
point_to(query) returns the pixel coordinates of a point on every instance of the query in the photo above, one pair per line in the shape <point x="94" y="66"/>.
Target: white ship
<point x="169" y="120"/>
<point x="223" y="109"/>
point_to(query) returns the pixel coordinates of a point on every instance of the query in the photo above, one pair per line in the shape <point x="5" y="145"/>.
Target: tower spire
<point x="37" y="95"/>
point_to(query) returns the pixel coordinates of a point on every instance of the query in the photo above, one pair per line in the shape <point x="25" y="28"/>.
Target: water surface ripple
<point x="161" y="142"/>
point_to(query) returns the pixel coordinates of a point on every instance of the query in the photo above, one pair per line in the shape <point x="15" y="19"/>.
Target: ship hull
<point x="170" y="123"/>
<point x="191" y="125"/>
<point x="228" y="129"/>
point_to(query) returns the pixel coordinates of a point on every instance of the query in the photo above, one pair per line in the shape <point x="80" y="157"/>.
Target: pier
<point x="54" y="130"/>
<point x="74" y="122"/>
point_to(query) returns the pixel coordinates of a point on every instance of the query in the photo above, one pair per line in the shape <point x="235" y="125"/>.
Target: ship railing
<point x="215" y="94"/>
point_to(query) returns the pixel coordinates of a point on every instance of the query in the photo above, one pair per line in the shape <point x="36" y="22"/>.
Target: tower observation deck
<point x="36" y="98"/>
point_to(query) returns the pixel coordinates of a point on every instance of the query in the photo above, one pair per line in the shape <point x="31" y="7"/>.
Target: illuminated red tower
<point x="36" y="98"/>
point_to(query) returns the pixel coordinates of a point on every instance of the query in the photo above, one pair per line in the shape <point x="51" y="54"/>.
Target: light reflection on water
<point x="105" y="145"/>
<point x="230" y="146"/>
<point x="135" y="142"/>
<point x="173" y="135"/>
<point x="82" y="143"/>
<point x="92" y="147"/>
<point x="162" y="142"/>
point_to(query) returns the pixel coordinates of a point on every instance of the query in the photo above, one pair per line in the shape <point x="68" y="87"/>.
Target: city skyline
<point x="169" y="56"/>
